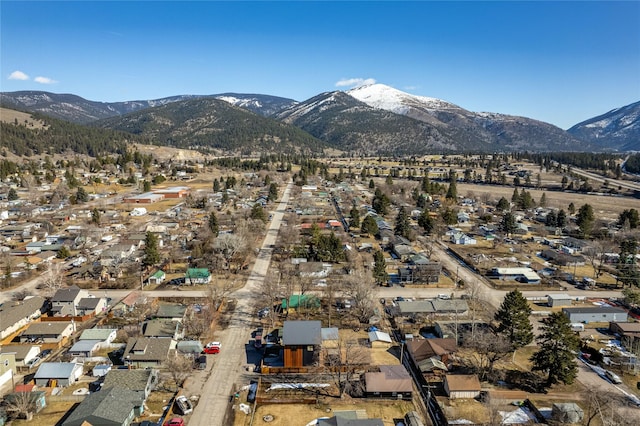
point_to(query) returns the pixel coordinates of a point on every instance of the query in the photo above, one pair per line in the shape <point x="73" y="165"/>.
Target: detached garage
<point x="461" y="386"/>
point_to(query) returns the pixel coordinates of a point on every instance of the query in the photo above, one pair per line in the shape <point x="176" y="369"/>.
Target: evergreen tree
<point x="369" y="226"/>
<point x="557" y="345"/>
<point x="12" y="195"/>
<point x="151" y="250"/>
<point x="508" y="224"/>
<point x="513" y="316"/>
<point x="257" y="213"/>
<point x="426" y="221"/>
<point x="571" y="209"/>
<point x="63" y="253"/>
<point x="216" y="185"/>
<point x="95" y="216"/>
<point x="213" y="224"/>
<point x="551" y="219"/>
<point x="561" y="219"/>
<point x="585" y="219"/>
<point x="146" y="186"/>
<point x="515" y="197"/>
<point x="503" y="204"/>
<point x="452" y="191"/>
<point x="273" y="192"/>
<point x="354" y="218"/>
<point x="81" y="195"/>
<point x="543" y="199"/>
<point x="371" y="184"/>
<point x="425" y="185"/>
<point x="449" y="216"/>
<point x="379" y="268"/>
<point x="402" y="224"/>
<point x="630" y="216"/>
<point x="388" y="180"/>
<point x="380" y="202"/>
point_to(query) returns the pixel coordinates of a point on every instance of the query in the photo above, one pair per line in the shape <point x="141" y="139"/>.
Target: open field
<point x="10" y="116"/>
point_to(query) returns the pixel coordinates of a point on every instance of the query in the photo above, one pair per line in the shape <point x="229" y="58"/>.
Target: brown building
<point x="301" y="341"/>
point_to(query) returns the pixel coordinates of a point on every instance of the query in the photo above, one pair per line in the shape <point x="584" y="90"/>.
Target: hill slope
<point x="213" y="124"/>
<point x="475" y="131"/>
<point x="618" y="129"/>
<point x="350" y="125"/>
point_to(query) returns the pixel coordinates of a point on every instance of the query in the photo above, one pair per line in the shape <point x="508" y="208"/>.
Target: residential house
<point x="158" y="277"/>
<point x="126" y="305"/>
<point x="348" y="419"/>
<point x="47" y="332"/>
<point x="15" y="315"/>
<point x="595" y="314"/>
<point x="65" y="301"/>
<point x="301" y="341"/>
<point x="52" y="374"/>
<point x="163" y="328"/>
<point x="625" y="329"/>
<point x="314" y="269"/>
<point x="197" y="276"/>
<point x="461" y="238"/>
<point x="420" y="350"/>
<point x="22" y="353"/>
<point x="462" y="386"/>
<point x="84" y="349"/>
<point x="91" y="306"/>
<point x="104" y="335"/>
<point x="392" y="381"/>
<point x="171" y="311"/>
<point x="141" y="381"/>
<point x="109" y="407"/>
<point x="403" y="251"/>
<point x="7" y="367"/>
<point x="522" y="275"/>
<point x="144" y="352"/>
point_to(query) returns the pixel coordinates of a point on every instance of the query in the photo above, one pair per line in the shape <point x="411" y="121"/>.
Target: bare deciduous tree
<point x="595" y="253"/>
<point x="21" y="405"/>
<point x="53" y="279"/>
<point x="359" y="287"/>
<point x="343" y="359"/>
<point x="179" y="367"/>
<point x="605" y="408"/>
<point x="231" y="246"/>
<point x="487" y="348"/>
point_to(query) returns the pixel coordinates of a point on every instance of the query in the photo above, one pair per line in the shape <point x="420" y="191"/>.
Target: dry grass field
<point x="10" y="116"/>
<point x="301" y="414"/>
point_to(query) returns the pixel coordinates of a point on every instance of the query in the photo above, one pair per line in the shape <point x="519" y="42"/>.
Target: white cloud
<point x="44" y="80"/>
<point x="355" y="82"/>
<point x="18" y="75"/>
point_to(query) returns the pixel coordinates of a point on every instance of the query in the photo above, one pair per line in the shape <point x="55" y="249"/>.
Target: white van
<point x="576" y="326"/>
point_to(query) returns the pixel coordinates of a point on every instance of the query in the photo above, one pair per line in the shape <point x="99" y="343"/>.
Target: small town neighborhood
<point x="333" y="292"/>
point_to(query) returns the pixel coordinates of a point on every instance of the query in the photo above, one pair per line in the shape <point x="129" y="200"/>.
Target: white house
<point x="462" y="239"/>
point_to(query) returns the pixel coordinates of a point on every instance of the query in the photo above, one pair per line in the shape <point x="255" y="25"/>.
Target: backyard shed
<point x="462" y="386"/>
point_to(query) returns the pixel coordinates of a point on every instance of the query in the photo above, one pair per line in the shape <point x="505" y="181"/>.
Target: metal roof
<point x="302" y="333"/>
<point x="56" y="370"/>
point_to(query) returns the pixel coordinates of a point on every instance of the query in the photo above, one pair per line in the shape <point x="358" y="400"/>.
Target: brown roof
<point x="628" y="327"/>
<point x="391" y="378"/>
<point x="423" y="349"/>
<point x="462" y="382"/>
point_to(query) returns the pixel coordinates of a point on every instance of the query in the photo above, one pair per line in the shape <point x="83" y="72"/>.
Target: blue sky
<point x="560" y="62"/>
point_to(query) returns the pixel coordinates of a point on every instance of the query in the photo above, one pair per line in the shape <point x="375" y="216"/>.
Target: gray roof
<point x="88" y="302"/>
<point x="66" y="294"/>
<point x="97" y="334"/>
<point x="171" y="310"/>
<point x="11" y="313"/>
<point x="56" y="370"/>
<point x="450" y="305"/>
<point x="161" y="328"/>
<point x="110" y="406"/>
<point x="302" y="333"/>
<point x="147" y="349"/>
<point x="21" y="351"/>
<point x="189" y="346"/>
<point x="594" y="310"/>
<point x="46" y="328"/>
<point x="329" y="333"/>
<point x="85" y="345"/>
<point x="418" y="307"/>
<point x="339" y="421"/>
<point x="133" y="380"/>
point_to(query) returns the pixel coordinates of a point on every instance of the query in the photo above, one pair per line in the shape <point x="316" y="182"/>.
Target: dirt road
<point x="229" y="363"/>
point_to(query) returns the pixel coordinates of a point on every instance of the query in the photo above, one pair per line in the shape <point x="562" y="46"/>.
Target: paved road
<point x="228" y="364"/>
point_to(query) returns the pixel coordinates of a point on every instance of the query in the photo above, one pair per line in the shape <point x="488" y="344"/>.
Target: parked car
<point x="176" y="421"/>
<point x="613" y="377"/>
<point x="211" y="350"/>
<point x="183" y="405"/>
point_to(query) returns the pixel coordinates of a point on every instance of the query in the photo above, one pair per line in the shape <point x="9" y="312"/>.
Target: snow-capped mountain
<point x="471" y="130"/>
<point x="617" y="129"/>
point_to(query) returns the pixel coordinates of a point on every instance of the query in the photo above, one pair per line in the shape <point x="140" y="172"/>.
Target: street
<point x="228" y="364"/>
